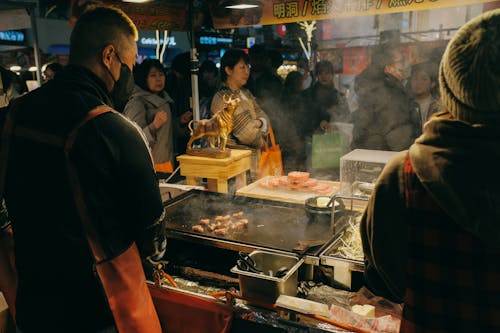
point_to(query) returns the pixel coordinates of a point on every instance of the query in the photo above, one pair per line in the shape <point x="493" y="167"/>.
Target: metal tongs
<point x="246" y="263"/>
<point x="332" y="201"/>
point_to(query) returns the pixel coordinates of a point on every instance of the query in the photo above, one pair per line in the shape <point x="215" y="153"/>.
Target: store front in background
<point x="176" y="42"/>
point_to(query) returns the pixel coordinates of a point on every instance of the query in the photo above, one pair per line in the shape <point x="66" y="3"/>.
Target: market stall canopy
<point x="237" y="13"/>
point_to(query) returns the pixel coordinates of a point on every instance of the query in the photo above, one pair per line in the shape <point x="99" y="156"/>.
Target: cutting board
<point x="254" y="190"/>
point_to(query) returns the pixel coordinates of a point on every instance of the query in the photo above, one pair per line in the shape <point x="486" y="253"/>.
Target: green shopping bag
<point x="327" y="149"/>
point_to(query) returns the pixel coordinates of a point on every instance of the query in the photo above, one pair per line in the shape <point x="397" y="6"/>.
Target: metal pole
<point x="36" y="52"/>
<point x="194" y="85"/>
<point x="195" y="101"/>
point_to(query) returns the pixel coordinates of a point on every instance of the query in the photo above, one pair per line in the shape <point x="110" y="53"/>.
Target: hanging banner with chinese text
<point x="154" y="15"/>
<point x="286" y="11"/>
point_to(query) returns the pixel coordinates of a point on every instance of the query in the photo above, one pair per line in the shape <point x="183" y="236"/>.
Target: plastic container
<point x="360" y="169"/>
<point x="265" y="287"/>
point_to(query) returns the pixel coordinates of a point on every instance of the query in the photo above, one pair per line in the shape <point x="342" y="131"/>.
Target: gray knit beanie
<point x="469" y="75"/>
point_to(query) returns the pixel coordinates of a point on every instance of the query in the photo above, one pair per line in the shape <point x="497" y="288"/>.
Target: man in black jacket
<point x="387" y="119"/>
<point x="58" y="290"/>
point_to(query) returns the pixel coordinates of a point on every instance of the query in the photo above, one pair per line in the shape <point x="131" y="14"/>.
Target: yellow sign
<point x="286" y="11"/>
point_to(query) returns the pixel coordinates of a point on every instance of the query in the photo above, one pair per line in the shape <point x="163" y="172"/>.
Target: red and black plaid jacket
<point x="453" y="278"/>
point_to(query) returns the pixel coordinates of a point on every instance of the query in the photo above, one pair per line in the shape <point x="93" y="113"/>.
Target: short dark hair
<point x="383" y="54"/>
<point x="276" y="58"/>
<point x="258" y="50"/>
<point x="55" y="67"/>
<point x="323" y="66"/>
<point x="293" y="83"/>
<point x="142" y="70"/>
<point x="208" y="66"/>
<point x="230" y="59"/>
<point x="97" y="27"/>
<point x="182" y="64"/>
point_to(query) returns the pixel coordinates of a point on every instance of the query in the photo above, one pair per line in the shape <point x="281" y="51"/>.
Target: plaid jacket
<point x="245" y="135"/>
<point x="244" y="130"/>
<point x="453" y="278"/>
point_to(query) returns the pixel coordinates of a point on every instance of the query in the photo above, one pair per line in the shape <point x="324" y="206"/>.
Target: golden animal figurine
<point x="217" y="128"/>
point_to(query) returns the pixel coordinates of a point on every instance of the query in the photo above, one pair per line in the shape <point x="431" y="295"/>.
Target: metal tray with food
<point x="345" y="252"/>
<point x="347" y="238"/>
<point x="244" y="223"/>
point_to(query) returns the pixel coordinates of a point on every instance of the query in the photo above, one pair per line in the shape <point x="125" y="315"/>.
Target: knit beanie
<point x="469" y="74"/>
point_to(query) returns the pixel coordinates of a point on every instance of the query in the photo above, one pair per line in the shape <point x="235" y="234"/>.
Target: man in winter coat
<point x="386" y="118"/>
<point x="431" y="231"/>
<point x="58" y="290"/>
<point x="322" y="103"/>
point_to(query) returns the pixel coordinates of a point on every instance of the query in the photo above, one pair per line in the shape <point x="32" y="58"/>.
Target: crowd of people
<point x="430" y="233"/>
<point x="393" y="102"/>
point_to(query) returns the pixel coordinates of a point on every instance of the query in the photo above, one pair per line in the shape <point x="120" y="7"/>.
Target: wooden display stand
<point x="217" y="170"/>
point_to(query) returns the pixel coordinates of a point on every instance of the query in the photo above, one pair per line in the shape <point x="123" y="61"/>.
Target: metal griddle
<point x="272" y="224"/>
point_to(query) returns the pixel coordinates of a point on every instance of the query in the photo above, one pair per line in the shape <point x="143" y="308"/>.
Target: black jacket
<point x="320" y="102"/>
<point x="387" y="118"/>
<point x="58" y="290"/>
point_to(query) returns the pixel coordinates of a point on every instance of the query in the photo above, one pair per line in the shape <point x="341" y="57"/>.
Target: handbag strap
<point x="10" y="130"/>
<point x="271" y="136"/>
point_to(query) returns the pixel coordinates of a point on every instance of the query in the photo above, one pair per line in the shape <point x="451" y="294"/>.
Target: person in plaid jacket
<point x="431" y="231"/>
<point x="251" y="123"/>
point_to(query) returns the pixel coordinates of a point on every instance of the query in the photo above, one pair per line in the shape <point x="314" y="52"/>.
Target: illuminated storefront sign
<point x="211" y="40"/>
<point x="12" y="37"/>
<point x="285" y="11"/>
<point x="148" y="41"/>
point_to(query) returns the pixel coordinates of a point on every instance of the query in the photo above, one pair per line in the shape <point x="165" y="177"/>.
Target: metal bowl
<point x="319" y="208"/>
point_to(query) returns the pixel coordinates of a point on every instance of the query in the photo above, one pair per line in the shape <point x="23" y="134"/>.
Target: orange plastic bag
<point x="270" y="163"/>
<point x="164" y="167"/>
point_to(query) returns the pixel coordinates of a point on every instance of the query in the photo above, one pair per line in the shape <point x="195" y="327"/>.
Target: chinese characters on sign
<point x="289" y="9"/>
<point x="286" y="11"/>
<point x="313" y="9"/>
